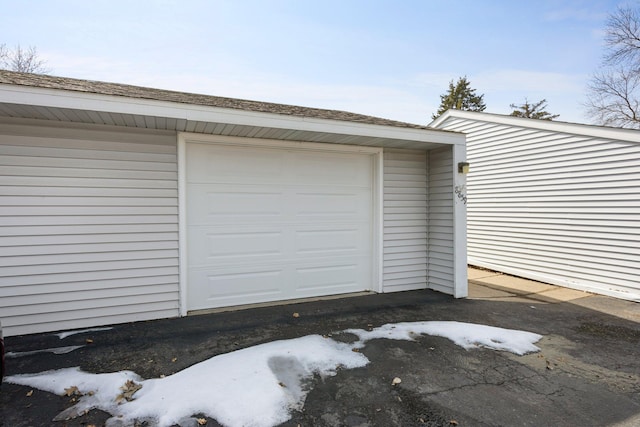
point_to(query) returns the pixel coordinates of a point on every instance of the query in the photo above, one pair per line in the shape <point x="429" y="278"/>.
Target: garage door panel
<point x="329" y="278"/>
<point x="235" y="286"/>
<point x="228" y="203"/>
<point x="350" y="169"/>
<point x="222" y="165"/>
<point x="251" y="203"/>
<point x="331" y="241"/>
<point x="225" y="247"/>
<point x="332" y="205"/>
<point x="269" y="243"/>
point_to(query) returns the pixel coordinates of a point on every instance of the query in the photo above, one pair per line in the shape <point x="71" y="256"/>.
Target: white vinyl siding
<point x="88" y="227"/>
<point x="441" y="221"/>
<point x="558" y="206"/>
<point x="405" y="220"/>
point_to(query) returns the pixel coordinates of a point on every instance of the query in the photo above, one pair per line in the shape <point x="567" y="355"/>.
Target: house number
<point x="460" y="191"/>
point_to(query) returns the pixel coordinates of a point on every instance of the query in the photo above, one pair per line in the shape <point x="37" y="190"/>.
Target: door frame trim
<point x="185" y="138"/>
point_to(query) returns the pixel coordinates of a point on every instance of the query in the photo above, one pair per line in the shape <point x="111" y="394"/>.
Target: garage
<point x="274" y="222"/>
<point x="123" y="203"/>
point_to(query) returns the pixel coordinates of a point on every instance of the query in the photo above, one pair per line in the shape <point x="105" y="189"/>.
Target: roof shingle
<point x="139" y="92"/>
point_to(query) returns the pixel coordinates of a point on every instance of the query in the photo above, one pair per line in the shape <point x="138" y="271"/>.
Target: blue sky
<point x="387" y="58"/>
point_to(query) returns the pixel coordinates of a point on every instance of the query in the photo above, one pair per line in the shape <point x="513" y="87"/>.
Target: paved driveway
<point x="586" y="374"/>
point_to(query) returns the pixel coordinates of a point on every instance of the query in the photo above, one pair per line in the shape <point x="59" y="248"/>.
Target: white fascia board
<point x="622" y="134"/>
<point x="146" y="107"/>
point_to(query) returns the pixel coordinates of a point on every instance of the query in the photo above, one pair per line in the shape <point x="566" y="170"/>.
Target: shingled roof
<point x="139" y="92"/>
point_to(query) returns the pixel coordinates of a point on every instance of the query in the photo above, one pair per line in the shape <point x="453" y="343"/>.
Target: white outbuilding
<point x="552" y="201"/>
<point x="122" y="203"/>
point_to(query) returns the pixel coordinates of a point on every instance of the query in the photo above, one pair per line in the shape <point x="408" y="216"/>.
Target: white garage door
<point x="267" y="224"/>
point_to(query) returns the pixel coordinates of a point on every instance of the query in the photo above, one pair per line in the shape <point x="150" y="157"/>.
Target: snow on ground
<point x="466" y="335"/>
<point x="54" y="350"/>
<point x="63" y="335"/>
<point x="258" y="386"/>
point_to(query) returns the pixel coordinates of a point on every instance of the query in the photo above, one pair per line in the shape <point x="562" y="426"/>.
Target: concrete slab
<point x="561" y="294"/>
<point x="487" y="284"/>
<point x="478" y="273"/>
<point x="480" y="291"/>
<point x="517" y="284"/>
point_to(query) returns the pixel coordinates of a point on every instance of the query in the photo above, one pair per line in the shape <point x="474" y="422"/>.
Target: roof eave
<point x="86" y="101"/>
<point x="548" y="125"/>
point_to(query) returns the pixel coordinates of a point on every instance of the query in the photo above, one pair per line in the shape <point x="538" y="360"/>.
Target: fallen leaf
<point x="396" y="381"/>
<point x="453" y="422"/>
<point x="72" y="391"/>
<point x="281" y="384"/>
<point x="30" y="393"/>
<point x="89" y="341"/>
<point x="296" y="315"/>
<point x="549" y="365"/>
<point x="128" y="390"/>
<point x="355" y="350"/>
<point x="201" y="421"/>
<point x="173" y="360"/>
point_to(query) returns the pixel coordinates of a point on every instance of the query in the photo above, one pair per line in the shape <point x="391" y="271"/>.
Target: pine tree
<point x="532" y="111"/>
<point x="460" y="97"/>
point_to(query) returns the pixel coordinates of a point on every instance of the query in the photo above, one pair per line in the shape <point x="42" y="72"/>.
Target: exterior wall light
<point x="463" y="167"/>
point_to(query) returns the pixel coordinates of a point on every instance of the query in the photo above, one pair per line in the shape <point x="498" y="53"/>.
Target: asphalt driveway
<point x="586" y="374"/>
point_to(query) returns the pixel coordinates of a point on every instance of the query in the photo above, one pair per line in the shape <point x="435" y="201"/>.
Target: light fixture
<point x="463" y="167"/>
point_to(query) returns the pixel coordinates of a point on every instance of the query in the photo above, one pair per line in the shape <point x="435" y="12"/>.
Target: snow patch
<point x="466" y="335"/>
<point x="63" y="335"/>
<point x="54" y="350"/>
<point x="258" y="386"/>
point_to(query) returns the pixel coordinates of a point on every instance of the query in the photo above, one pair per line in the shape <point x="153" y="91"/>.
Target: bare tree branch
<point x="613" y="97"/>
<point x="22" y="60"/>
<point x="623" y="37"/>
<point x="4" y="54"/>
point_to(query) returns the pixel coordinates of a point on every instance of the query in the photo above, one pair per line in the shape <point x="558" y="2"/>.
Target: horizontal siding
<point x="88" y="227"/>
<point x="405" y="220"/>
<point x="441" y="226"/>
<point x="554" y="206"/>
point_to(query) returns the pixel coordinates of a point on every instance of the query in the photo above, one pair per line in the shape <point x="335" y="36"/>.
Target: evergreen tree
<point x="532" y="111"/>
<point x="460" y="97"/>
